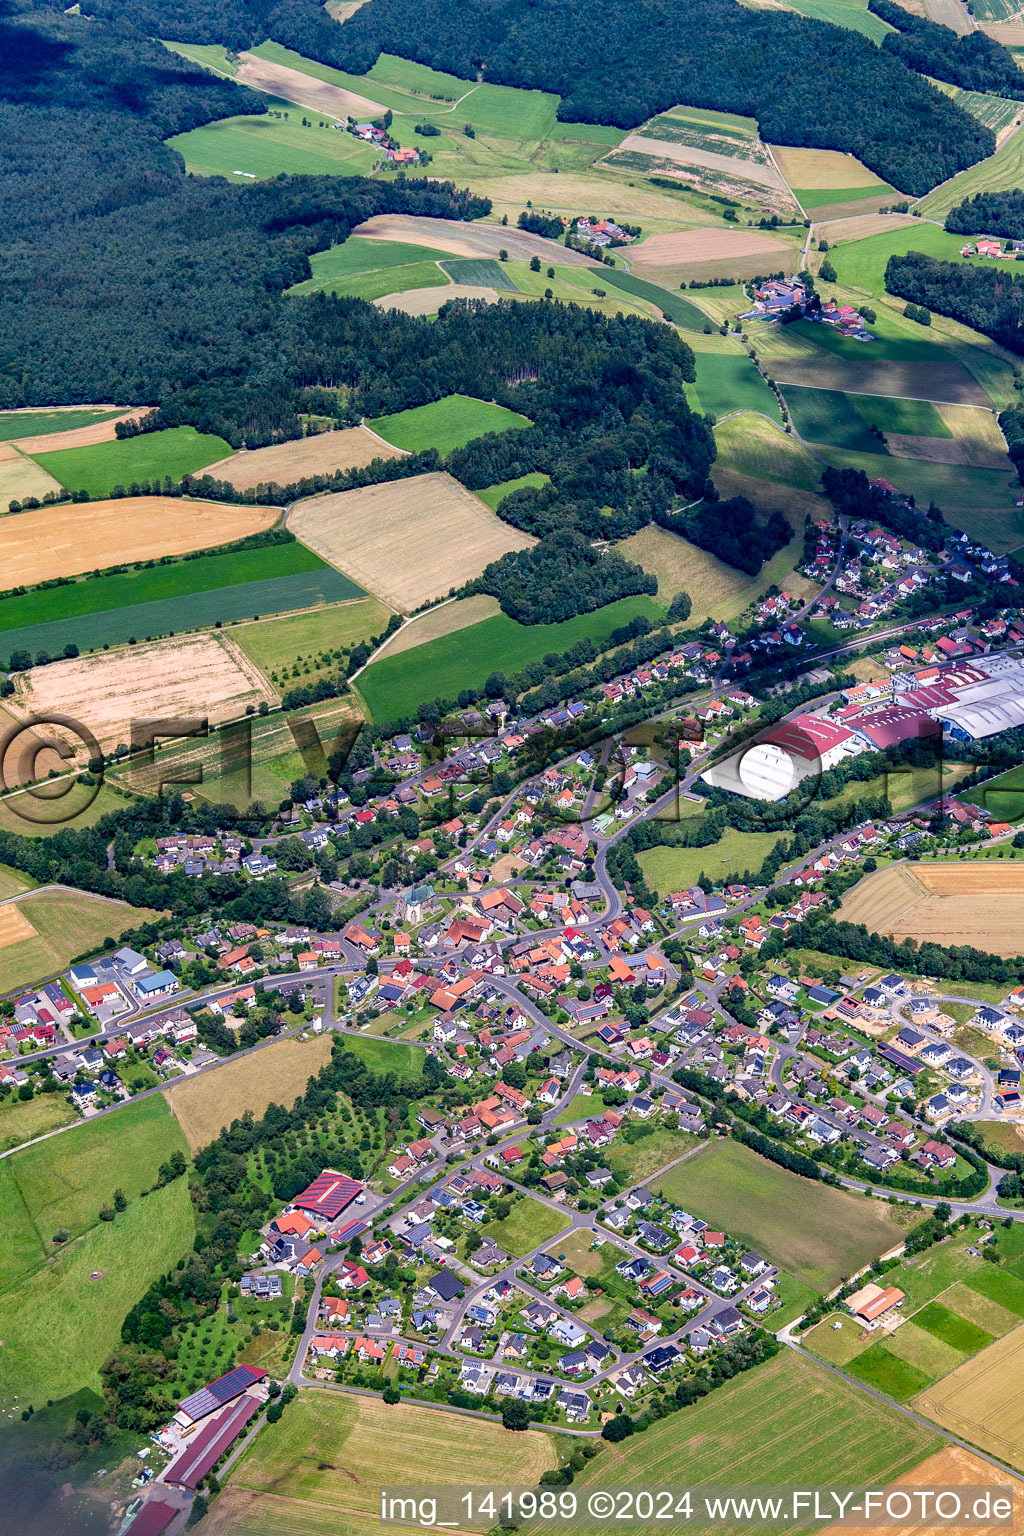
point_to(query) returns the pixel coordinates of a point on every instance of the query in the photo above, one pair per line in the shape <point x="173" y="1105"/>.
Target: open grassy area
<point x="673" y="869"/>
<point x="827" y="416"/>
<point x="54" y="928"/>
<point x="634" y="1162"/>
<point x="674" y="307"/>
<point x="727" y="381"/>
<point x="15" y="424"/>
<point x="13" y="882"/>
<point x="494" y="495"/>
<point x="528" y="1224"/>
<point x="276" y="1074"/>
<point x="328" y="1450"/>
<point x="479" y="272"/>
<point x="780" y="1423"/>
<point x="1000" y="172"/>
<point x="150" y="456"/>
<point x="394" y="1056"/>
<point x="583" y="1106"/>
<point x="276" y="643"/>
<point x="22" y="1121"/>
<point x="396" y="686"/>
<point x="59" y="1328"/>
<point x="368" y="269"/>
<point x="881" y="1368"/>
<point x="77" y="810"/>
<point x="818" y="1234"/>
<point x="1004" y="795"/>
<point x="445" y="424"/>
<point x="285" y="141"/>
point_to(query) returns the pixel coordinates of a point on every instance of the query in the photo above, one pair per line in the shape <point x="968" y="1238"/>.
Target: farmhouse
<point x="872" y="1302"/>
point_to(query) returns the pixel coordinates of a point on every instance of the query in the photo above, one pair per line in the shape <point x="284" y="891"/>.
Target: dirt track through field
<point x="467" y="239"/>
<point x="284" y="463"/>
<point x="305" y="90"/>
<point x="72" y="538"/>
<point x="196" y="675"/>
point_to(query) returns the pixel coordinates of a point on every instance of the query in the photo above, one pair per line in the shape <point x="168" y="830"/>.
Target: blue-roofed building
<point x="157" y="984"/>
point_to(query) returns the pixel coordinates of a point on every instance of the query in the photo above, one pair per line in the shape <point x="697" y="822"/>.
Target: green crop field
<point x="396" y="686"/>
<point x="917" y="417"/>
<point x="494" y="495"/>
<point x="844" y="13"/>
<point x="880" y="1368"/>
<point x="62" y="1323"/>
<point x="368" y="269"/>
<point x="22" y="1121"/>
<point x="176" y="615"/>
<point x="994" y="111"/>
<point x="67" y="923"/>
<point x="252" y="148"/>
<point x="828" y="416"/>
<point x="13" y="882"/>
<point x="275" y="643"/>
<point x="729" y="381"/>
<point x="14" y="424"/>
<point x="1001" y="172"/>
<point x="445" y="424"/>
<point x="482" y="272"/>
<point x="825" y="197"/>
<point x="861" y="264"/>
<point x="150" y="456"/>
<point x="818" y="1234"/>
<point x="680" y="311"/>
<point x="528" y="1224"/>
<point x="501" y="110"/>
<point x="780" y="1424"/>
<point x="956" y="1331"/>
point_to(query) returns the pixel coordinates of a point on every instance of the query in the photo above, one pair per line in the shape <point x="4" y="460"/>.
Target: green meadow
<point x="494" y="495"/>
<point x="368" y="269"/>
<point x="150" y="456"/>
<point x="394" y="686"/>
<point x="288" y="139"/>
<point x="14" y="424"/>
<point x="445" y="424"/>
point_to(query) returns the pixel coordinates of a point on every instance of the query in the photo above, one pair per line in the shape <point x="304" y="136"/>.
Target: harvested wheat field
<point x="205" y="675"/>
<point x="14" y="925"/>
<point x="427" y="301"/>
<point x="846" y="231"/>
<point x="979" y="903"/>
<point x="443" y="620"/>
<point x="983" y="1400"/>
<point x="306" y="90"/>
<point x="467" y="239"/>
<point x="823" y="168"/>
<point x="77" y="437"/>
<point x="284" y="463"/>
<point x="952" y="1467"/>
<point x="407" y="541"/>
<point x="87" y="536"/>
<point x="671" y="258"/>
<point x="275" y="1073"/>
<point x="21" y="477"/>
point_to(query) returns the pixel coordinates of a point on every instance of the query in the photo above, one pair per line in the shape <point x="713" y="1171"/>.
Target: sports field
<point x="779" y="1424"/>
<point x="327" y="1450"/>
<point x="979" y="903"/>
<point x="285" y="141"/>
<point x="150" y="456"/>
<point x="320" y="454"/>
<point x="42" y="932"/>
<point x="168" y="678"/>
<point x="395" y="686"/>
<point x="409" y="541"/>
<point x="368" y="269"/>
<point x="816" y="1233"/>
<point x="276" y="1074"/>
<point x="72" y="538"/>
<point x="445" y="424"/>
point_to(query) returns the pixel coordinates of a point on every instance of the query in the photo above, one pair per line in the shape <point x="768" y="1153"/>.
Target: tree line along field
<point x="73" y="538"/>
<point x="42" y="932"/>
<point x="176" y="451"/>
<point x="365" y="268"/>
<point x="393" y="687"/>
<point x="318" y="454"/>
<point x="57" y="1322"/>
<point x="170" y="579"/>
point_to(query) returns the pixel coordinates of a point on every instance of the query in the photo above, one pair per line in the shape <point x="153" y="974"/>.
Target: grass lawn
<point x="729" y="381"/>
<point x="445" y="424"/>
<point x="878" y="1367"/>
<point x="673" y="869"/>
<point x="923" y="1350"/>
<point x="1004" y="795"/>
<point x="66" y="923"/>
<point x="636" y="1161"/>
<point x="152" y="455"/>
<point x="836" y="1345"/>
<point x="13" y="882"/>
<point x="396" y="686"/>
<point x="15" y="424"/>
<point x="583" y="1106"/>
<point x="23" y="1120"/>
<point x="57" y="1333"/>
<point x="780" y="1423"/>
<point x="817" y="1234"/>
<point x="330" y="1450"/>
<point x="395" y="1056"/>
<point x="958" y="1332"/>
<point x="62" y="1182"/>
<point x="577" y="1253"/>
<point x="276" y="643"/>
<point x="999" y="1286"/>
<point x="252" y="148"/>
<point x="77" y="809"/>
<point x="368" y="269"/>
<point x="494" y="495"/>
<point x="528" y="1224"/>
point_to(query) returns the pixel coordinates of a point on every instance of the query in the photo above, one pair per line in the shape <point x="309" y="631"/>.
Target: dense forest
<point x="989" y="213"/>
<point x="561" y="576"/>
<point x="989" y="299"/>
<point x="974" y="62"/>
